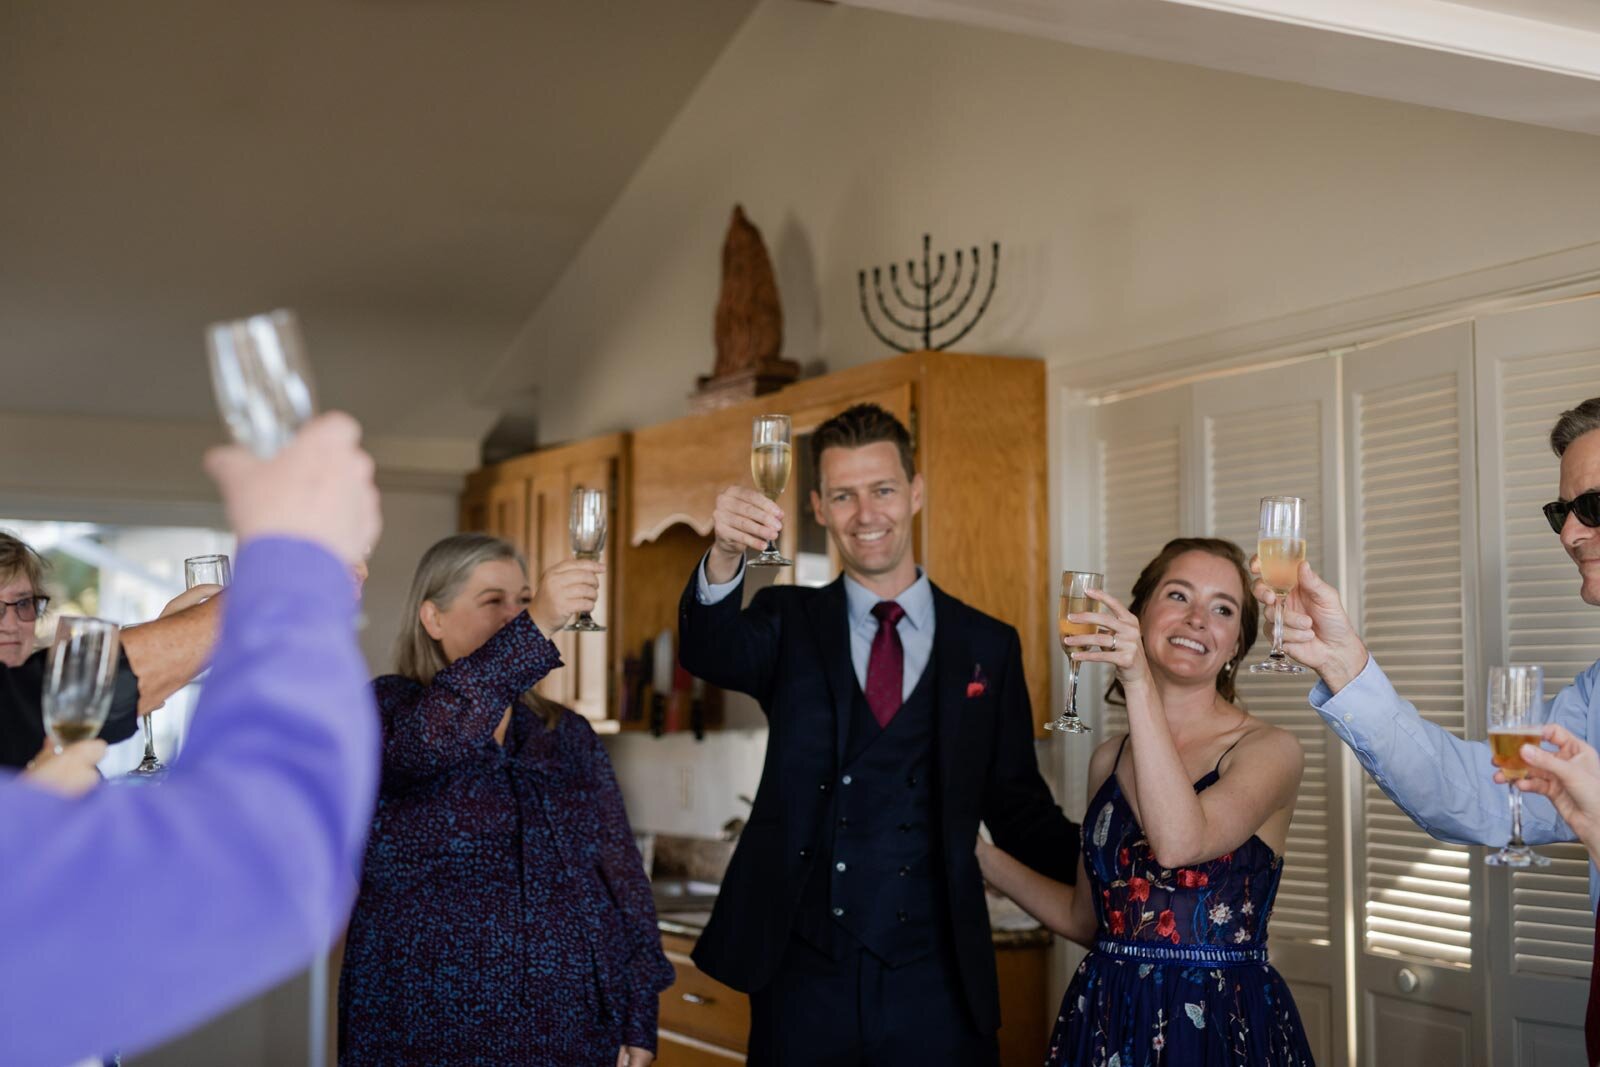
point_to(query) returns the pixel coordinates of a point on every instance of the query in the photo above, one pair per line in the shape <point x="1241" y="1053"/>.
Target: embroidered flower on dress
<point x="1193" y="879"/>
<point x="1118" y="926"/>
<point x="1167" y="925"/>
<point x="1221" y="914"/>
<point x="1138" y="889"/>
<point x="1158" y="1042"/>
<point x="1124" y="858"/>
<point x="1197" y="1015"/>
<point x="1241" y="935"/>
<point x="1247" y="908"/>
<point x="1102" y="826"/>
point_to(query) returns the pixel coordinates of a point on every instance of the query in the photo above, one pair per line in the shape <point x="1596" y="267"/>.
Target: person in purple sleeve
<point x="504" y="913"/>
<point x="242" y="864"/>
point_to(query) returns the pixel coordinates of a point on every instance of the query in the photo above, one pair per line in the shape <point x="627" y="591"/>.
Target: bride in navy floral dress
<point x="1183" y="838"/>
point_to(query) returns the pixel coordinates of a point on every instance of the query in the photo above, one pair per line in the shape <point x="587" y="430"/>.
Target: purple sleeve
<point x="647" y="970"/>
<point x="459" y="711"/>
<point x="227" y="877"/>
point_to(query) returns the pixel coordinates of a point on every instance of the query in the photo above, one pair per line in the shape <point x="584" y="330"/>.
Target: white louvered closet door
<point x="1411" y="589"/>
<point x="1275" y="432"/>
<point x="1532" y="365"/>
<point x="1143" y="504"/>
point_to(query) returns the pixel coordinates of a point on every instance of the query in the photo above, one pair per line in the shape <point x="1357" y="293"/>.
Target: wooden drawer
<point x="680" y="1050"/>
<point x="699" y="1006"/>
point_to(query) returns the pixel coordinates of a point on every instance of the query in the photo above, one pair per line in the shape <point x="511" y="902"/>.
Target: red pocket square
<point x="979" y="684"/>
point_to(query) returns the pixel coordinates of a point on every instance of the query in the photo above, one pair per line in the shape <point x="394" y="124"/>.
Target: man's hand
<point x="1316" y="630"/>
<point x="742" y="519"/>
<point x="72" y="773"/>
<point x="189" y="598"/>
<point x="1570" y="777"/>
<point x="635" y="1057"/>
<point x="318" y="488"/>
<point x="568" y="587"/>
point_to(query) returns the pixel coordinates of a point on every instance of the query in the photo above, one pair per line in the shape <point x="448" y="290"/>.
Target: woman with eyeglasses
<point x="158" y="658"/>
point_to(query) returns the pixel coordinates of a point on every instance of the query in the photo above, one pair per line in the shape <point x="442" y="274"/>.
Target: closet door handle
<point x="696" y="998"/>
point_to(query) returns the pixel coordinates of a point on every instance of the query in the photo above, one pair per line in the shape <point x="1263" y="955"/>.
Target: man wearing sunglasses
<point x="1446" y="785"/>
<point x="158" y="657"/>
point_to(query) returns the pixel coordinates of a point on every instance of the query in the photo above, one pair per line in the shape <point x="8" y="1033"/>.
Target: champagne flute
<point x="80" y="675"/>
<point x="1075" y="600"/>
<point x="1516" y="714"/>
<point x="1281" y="546"/>
<point x="586" y="525"/>
<point x="770" y="463"/>
<point x="197" y="570"/>
<point x="262" y="379"/>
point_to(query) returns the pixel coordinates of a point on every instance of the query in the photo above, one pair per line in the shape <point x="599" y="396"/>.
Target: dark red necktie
<point x="887" y="665"/>
<point x="1591" y="1018"/>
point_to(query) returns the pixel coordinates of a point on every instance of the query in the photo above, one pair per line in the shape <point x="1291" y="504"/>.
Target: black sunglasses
<point x="28" y="609"/>
<point x="1585" y="505"/>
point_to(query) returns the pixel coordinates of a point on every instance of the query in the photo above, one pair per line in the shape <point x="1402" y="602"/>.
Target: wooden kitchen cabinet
<point x="526" y="501"/>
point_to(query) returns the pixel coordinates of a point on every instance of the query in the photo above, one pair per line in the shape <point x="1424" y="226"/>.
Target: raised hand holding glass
<point x="1281" y="548"/>
<point x="587" y="527"/>
<point x="1075" y="600"/>
<point x="770" y="463"/>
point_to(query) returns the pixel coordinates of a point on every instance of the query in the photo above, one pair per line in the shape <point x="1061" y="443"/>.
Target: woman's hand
<point x="1570" y="777"/>
<point x="72" y="773"/>
<point x="571" y="586"/>
<point x="635" y="1057"/>
<point x="1125" y="648"/>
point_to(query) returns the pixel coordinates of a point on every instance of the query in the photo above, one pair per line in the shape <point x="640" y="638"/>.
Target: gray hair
<point x="18" y="559"/>
<point x="1574" y="424"/>
<point x="444" y="569"/>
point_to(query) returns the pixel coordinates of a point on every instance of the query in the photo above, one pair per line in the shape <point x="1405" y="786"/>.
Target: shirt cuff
<point x="709" y="594"/>
<point x="1370" y="679"/>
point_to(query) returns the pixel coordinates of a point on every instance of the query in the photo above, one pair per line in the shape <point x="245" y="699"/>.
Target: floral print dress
<point x="1179" y="972"/>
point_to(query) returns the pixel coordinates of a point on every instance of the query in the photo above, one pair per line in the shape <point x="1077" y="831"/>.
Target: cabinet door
<point x="508" y="512"/>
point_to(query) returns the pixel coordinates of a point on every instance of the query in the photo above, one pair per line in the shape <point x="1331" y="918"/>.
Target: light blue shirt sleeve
<point x="709" y="594"/>
<point x="1446" y="785"/>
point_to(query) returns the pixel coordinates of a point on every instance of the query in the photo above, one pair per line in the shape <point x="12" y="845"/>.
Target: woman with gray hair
<point x="504" y="913"/>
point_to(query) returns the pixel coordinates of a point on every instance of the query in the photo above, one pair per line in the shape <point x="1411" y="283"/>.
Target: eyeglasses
<point x="1585" y="505"/>
<point x="28" y="609"/>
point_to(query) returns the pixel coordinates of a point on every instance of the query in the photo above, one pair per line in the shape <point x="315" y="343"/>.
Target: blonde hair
<point x="441" y="575"/>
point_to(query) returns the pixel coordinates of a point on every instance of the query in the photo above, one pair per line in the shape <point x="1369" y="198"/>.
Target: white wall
<point x="1137" y="202"/>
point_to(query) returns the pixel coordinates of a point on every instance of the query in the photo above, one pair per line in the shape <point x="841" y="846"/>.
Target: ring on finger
<point x="1113" y="647"/>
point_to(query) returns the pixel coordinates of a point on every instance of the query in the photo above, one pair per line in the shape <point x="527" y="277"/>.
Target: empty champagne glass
<point x="1281" y="547"/>
<point x="262" y="379"/>
<point x="1516" y="718"/>
<point x="80" y="675"/>
<point x="770" y="463"/>
<point x="197" y="570"/>
<point x="587" y="526"/>
<point x="1075" y="600"/>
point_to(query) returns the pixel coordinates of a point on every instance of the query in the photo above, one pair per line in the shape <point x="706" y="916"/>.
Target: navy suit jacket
<point x="790" y="650"/>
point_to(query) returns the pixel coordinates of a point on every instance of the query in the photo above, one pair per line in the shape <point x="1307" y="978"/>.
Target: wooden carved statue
<point x="749" y="323"/>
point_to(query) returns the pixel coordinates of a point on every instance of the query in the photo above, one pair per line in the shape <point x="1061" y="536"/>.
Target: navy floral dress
<point x="1179" y="973"/>
<point x="504" y="915"/>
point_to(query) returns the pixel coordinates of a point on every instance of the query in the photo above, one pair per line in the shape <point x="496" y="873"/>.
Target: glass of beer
<point x="1516" y="718"/>
<point x="1075" y="601"/>
<point x="1281" y="547"/>
<point x="770" y="463"/>
<point x="586" y="526"/>
<point x="80" y="675"/>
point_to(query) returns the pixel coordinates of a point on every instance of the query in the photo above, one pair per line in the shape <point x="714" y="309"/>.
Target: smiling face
<point x="496" y="592"/>
<point x="867" y="504"/>
<point x="1191" y="622"/>
<point x="16" y="636"/>
<point x="1580" y="473"/>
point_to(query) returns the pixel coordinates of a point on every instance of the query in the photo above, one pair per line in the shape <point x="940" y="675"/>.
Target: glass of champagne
<point x="262" y="379"/>
<point x="1075" y="601"/>
<point x="1281" y="546"/>
<point x="587" y="527"/>
<point x="770" y="462"/>
<point x="1516" y="716"/>
<point x="80" y="675"/>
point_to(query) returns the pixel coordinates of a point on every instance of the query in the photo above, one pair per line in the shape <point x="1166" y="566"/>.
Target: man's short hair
<point x="863" y="424"/>
<point x="1574" y="424"/>
<point x="17" y="558"/>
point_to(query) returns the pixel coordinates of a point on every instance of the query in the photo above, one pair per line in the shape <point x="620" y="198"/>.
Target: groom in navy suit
<point x="853" y="911"/>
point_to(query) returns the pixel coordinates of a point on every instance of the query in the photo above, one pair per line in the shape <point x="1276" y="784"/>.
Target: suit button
<point x="825" y="787"/>
<point x="904" y="871"/>
<point x="902" y="916"/>
<point x="904" y="827"/>
<point x="838" y="912"/>
<point x="844" y="820"/>
<point x="805" y="853"/>
<point x="846" y="779"/>
<point x="839" y="866"/>
<point x="911" y="781"/>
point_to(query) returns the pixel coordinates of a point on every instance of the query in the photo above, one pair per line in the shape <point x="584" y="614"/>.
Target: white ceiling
<point x="411" y="175"/>
<point x="1579" y="14"/>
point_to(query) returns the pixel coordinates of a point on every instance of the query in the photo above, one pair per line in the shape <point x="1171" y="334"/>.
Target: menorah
<point x="926" y="304"/>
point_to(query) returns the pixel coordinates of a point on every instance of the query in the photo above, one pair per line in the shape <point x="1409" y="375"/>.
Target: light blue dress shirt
<point x="1446" y="785"/>
<point x="915" y="628"/>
